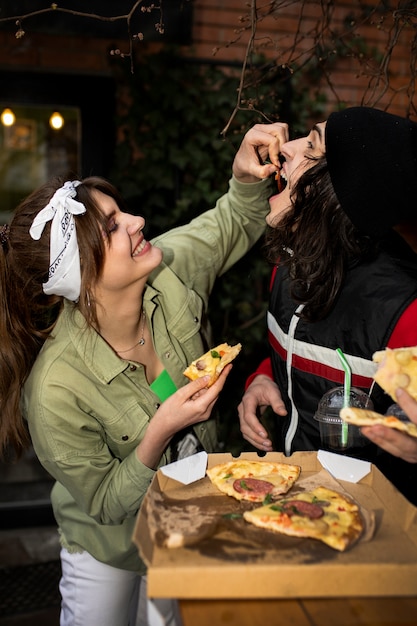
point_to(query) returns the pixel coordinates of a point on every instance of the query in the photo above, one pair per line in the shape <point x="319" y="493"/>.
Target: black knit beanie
<point x="372" y="160"/>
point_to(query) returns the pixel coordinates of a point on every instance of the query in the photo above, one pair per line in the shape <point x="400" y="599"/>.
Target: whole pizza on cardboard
<point x="267" y="495"/>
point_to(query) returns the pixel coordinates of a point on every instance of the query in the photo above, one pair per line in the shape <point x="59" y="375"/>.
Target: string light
<point x="56" y="121"/>
<point x="7" y="117"/>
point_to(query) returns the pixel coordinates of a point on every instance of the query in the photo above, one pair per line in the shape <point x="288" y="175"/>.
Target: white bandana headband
<point x="64" y="276"/>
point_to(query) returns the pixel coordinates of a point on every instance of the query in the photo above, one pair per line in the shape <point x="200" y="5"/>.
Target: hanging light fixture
<point x="56" y="121"/>
<point x="7" y="117"/>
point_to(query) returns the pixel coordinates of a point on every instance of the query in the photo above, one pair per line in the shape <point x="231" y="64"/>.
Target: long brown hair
<point x="317" y="242"/>
<point x="27" y="314"/>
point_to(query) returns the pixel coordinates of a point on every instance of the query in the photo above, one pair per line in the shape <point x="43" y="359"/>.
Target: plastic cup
<point x="336" y="435"/>
<point x="398" y="412"/>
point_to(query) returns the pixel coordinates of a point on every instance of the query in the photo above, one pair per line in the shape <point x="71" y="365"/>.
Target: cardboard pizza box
<point x="242" y="564"/>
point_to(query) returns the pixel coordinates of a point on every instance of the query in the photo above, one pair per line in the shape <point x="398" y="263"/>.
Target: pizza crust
<point x="321" y="514"/>
<point x="253" y="481"/>
<point x="212" y="363"/>
<point x="364" y="417"/>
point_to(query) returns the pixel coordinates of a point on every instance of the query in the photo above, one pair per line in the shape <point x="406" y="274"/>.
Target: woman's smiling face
<point x="298" y="156"/>
<point x="129" y="258"/>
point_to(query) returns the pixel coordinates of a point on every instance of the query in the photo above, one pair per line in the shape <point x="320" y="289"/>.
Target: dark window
<point x="31" y="151"/>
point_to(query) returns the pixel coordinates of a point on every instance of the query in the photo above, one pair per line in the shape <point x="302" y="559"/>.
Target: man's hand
<point x="393" y="441"/>
<point x="260" y="394"/>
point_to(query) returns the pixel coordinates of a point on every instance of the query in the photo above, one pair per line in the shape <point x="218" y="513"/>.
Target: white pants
<point x="96" y="594"/>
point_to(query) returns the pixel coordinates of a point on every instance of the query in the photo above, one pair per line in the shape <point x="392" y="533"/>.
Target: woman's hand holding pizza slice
<point x="212" y="363"/>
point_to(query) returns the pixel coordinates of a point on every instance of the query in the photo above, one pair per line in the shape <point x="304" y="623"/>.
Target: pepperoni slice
<point x="252" y="485"/>
<point x="300" y="507"/>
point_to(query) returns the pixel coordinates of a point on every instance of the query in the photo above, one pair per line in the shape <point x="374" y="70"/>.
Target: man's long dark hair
<point x="317" y="242"/>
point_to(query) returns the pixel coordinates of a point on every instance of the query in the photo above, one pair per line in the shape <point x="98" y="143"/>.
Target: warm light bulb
<point x="56" y="120"/>
<point x="7" y="117"/>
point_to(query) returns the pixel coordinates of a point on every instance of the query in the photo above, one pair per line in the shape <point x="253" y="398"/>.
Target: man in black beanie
<point x="342" y="278"/>
<point x="372" y="160"/>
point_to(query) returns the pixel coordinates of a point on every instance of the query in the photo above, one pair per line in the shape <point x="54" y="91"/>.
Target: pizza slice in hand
<point x="397" y="368"/>
<point x="212" y="363"/>
<point x="364" y="417"/>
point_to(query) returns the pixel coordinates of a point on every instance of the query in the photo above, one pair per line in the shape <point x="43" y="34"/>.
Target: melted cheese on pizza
<point x="321" y="514"/>
<point x="212" y="362"/>
<point x="397" y="368"/>
<point x="253" y="480"/>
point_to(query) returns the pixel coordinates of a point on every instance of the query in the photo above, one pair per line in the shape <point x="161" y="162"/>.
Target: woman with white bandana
<point x="97" y="327"/>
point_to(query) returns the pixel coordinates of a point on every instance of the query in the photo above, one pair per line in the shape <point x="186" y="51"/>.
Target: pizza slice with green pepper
<point x="212" y="362"/>
<point x="321" y="514"/>
<point x="254" y="481"/>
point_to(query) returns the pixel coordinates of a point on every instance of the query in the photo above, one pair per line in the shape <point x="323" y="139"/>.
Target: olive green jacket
<point x="88" y="409"/>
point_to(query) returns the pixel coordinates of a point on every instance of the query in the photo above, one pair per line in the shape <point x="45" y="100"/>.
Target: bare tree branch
<point x="326" y="36"/>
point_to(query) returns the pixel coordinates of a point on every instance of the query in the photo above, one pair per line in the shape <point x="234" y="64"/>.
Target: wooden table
<point x="308" y="612"/>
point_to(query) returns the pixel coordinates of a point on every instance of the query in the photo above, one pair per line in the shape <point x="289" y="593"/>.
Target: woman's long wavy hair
<point x="27" y="314"/>
<point x="317" y="242"/>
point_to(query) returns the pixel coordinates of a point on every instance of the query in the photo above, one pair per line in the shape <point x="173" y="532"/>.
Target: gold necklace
<point x="141" y="341"/>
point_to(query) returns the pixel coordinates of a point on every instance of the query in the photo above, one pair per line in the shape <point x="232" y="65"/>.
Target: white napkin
<point x="187" y="470"/>
<point x="344" y="467"/>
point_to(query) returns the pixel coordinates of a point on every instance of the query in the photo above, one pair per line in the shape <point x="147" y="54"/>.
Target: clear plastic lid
<point x="329" y="406"/>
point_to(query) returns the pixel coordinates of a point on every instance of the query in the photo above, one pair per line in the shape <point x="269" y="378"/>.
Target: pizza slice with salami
<point x="253" y="480"/>
<point x="321" y="514"/>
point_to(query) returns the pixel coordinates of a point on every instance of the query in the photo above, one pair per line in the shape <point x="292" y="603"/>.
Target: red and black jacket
<point x="377" y="308"/>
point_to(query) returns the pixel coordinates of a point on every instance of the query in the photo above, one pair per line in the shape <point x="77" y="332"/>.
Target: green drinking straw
<point x="346" y="393"/>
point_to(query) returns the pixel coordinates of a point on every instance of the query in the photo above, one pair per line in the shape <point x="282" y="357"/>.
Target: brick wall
<point x="221" y="32"/>
<point x="49" y="53"/>
<point x="218" y="34"/>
